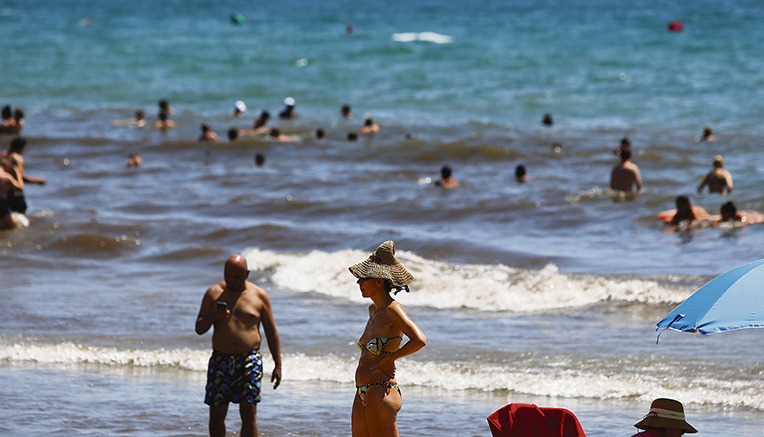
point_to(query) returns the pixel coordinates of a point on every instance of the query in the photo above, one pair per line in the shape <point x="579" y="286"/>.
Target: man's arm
<point x="33" y="180"/>
<point x="206" y="316"/>
<point x="272" y="335"/>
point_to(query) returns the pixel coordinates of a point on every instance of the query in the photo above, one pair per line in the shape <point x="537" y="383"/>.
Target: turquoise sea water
<point x="544" y="292"/>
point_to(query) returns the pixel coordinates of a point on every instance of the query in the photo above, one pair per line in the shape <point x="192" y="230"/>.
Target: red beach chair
<point x="528" y="420"/>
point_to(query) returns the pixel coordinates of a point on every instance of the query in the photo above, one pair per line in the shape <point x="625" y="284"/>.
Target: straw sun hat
<point x="382" y="264"/>
<point x="666" y="413"/>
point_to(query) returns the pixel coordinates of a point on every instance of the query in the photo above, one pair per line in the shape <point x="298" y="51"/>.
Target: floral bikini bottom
<point x="363" y="388"/>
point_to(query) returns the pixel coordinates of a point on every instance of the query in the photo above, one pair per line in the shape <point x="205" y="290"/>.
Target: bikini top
<point x="377" y="345"/>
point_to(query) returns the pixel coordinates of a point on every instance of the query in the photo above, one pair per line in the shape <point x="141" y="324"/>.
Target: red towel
<point x="528" y="420"/>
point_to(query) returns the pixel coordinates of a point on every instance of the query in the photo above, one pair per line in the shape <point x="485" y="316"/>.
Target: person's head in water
<point x="205" y="127"/>
<point x="262" y="119"/>
<point x="352" y="136"/>
<point x="547" y="121"/>
<point x="7" y="112"/>
<point x="718" y="161"/>
<point x="682" y="203"/>
<point x="625" y="152"/>
<point x="445" y="172"/>
<point x="320" y="134"/>
<point x="729" y="211"/>
<point x="259" y="159"/>
<point x="707" y="132"/>
<point x="345" y="111"/>
<point x="17" y="144"/>
<point x="520" y="173"/>
<point x="368" y="121"/>
<point x="233" y="133"/>
<point x="139" y="114"/>
<point x="18" y="114"/>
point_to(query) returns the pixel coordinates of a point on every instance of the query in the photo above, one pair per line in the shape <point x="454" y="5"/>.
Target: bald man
<point x="236" y="308"/>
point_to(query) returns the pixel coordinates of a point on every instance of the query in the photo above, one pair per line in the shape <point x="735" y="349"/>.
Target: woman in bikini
<point x="378" y="397"/>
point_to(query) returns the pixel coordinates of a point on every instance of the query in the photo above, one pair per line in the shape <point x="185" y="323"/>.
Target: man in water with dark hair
<point x="207" y="133"/>
<point x="626" y="174"/>
<point x="446" y="178"/>
<point x="345" y="111"/>
<point x="520" y="173"/>
<point x="15" y="198"/>
<point x="10" y="181"/>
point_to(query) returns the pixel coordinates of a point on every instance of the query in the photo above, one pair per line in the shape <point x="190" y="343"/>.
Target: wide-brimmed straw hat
<point x="382" y="264"/>
<point x="666" y="413"/>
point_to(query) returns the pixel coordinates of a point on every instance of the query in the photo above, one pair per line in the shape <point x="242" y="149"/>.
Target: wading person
<point x="378" y="397"/>
<point x="236" y="308"/>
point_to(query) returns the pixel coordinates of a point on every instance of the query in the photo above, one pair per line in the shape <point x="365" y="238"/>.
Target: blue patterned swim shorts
<point x="234" y="378"/>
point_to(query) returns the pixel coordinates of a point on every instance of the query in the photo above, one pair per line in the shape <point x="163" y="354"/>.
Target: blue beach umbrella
<point x="732" y="300"/>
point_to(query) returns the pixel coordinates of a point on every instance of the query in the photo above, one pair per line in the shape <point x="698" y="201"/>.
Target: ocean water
<point x="545" y="292"/>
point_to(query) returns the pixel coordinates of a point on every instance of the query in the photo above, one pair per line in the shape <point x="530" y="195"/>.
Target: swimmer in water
<point x="730" y="214"/>
<point x="138" y="121"/>
<point x="233" y="133"/>
<point x="165" y="108"/>
<point x="547" y="121"/>
<point x="8" y="125"/>
<point x="260" y="126"/>
<point x="164" y="123"/>
<point x="259" y="160"/>
<point x="369" y="127"/>
<point x="520" y="173"/>
<point x="134" y="160"/>
<point x="625" y="176"/>
<point x="345" y="111"/>
<point x="719" y="180"/>
<point x="446" y="178"/>
<point x="289" y="112"/>
<point x="10" y="181"/>
<point x="207" y="133"/>
<point x="276" y="135"/>
<point x="320" y="134"/>
<point x="708" y="135"/>
<point x="239" y="108"/>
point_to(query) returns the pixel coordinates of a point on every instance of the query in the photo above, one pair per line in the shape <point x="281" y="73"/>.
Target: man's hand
<point x="276" y="377"/>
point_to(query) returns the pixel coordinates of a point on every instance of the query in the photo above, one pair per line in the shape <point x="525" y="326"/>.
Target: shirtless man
<point x="369" y="127"/>
<point x="446" y="178"/>
<point x="8" y="125"/>
<point x="626" y="174"/>
<point x="164" y="123"/>
<point x="207" y="133"/>
<point x="719" y="180"/>
<point x="10" y="180"/>
<point x="236" y="307"/>
<point x="15" y="197"/>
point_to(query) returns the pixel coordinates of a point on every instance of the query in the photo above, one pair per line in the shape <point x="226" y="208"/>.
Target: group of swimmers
<point x="625" y="177"/>
<point x="259" y="127"/>
<point x="13" y="121"/>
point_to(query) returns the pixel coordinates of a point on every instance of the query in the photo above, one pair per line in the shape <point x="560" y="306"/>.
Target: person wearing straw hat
<point x="378" y="397"/>
<point x="665" y="419"/>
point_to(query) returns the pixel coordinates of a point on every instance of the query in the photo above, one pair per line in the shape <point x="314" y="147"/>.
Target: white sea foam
<point x="554" y="376"/>
<point x="422" y="36"/>
<point x="452" y="286"/>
